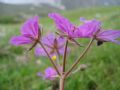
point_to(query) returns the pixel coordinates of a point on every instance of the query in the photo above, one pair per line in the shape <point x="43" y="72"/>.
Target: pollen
<point x="54" y="57"/>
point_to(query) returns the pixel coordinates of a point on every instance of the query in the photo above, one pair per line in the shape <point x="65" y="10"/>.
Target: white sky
<point x="27" y="1"/>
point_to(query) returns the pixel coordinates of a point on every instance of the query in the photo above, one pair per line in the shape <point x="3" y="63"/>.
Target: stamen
<point x="54" y="58"/>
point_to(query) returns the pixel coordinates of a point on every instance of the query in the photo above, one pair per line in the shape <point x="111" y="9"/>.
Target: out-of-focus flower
<point x="108" y="36"/>
<point x="54" y="46"/>
<point x="93" y="28"/>
<point x="66" y="28"/>
<point x="63" y="25"/>
<point x="88" y="29"/>
<point x="30" y="33"/>
<point x="49" y="74"/>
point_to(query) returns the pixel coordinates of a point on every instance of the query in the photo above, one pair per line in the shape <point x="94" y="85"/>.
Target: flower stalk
<point x="62" y="83"/>
<point x="57" y="70"/>
<point x="78" y="60"/>
<point x="64" y="57"/>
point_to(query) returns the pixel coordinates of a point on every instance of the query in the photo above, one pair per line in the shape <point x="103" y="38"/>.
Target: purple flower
<point x="66" y="28"/>
<point x="54" y="46"/>
<point x="49" y="74"/>
<point x="92" y="28"/>
<point x="30" y="33"/>
<point x="88" y="28"/>
<point x="108" y="36"/>
<point x="63" y="25"/>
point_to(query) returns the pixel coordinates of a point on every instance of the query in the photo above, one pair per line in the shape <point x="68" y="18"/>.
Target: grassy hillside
<point x="14" y="10"/>
<point x="11" y="13"/>
<point x="18" y="69"/>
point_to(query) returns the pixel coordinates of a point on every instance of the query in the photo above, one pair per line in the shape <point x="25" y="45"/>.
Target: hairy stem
<point x="78" y="60"/>
<point x="50" y="58"/>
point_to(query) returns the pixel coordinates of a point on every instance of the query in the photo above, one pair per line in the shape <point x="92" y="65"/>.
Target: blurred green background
<point x="18" y="69"/>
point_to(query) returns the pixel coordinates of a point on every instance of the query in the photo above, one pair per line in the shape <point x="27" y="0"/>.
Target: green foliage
<point x="9" y="19"/>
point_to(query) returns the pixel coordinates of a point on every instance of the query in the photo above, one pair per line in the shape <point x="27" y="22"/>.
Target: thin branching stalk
<point x="58" y="59"/>
<point x="78" y="60"/>
<point x="54" y="65"/>
<point x="64" y="57"/>
<point x="58" y="63"/>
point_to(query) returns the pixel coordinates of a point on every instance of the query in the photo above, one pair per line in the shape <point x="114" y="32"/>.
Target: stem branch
<point x="50" y="58"/>
<point x="78" y="60"/>
<point x="65" y="54"/>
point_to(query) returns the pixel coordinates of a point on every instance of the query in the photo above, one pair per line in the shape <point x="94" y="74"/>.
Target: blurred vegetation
<point x="11" y="13"/>
<point x="18" y="70"/>
<point x="9" y="20"/>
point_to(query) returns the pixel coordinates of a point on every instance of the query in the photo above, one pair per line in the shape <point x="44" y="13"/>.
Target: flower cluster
<point x="93" y="28"/>
<point x="89" y="29"/>
<point x="55" y="46"/>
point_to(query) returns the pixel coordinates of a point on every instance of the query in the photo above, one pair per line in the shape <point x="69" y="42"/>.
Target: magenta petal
<point x="60" y="21"/>
<point x="115" y="41"/>
<point x="31" y="27"/>
<point x="110" y="34"/>
<point x="39" y="52"/>
<point x="88" y="28"/>
<point x="61" y="41"/>
<point x="49" y="39"/>
<point x="50" y="73"/>
<point x="63" y="24"/>
<point x="52" y="44"/>
<point x="61" y="51"/>
<point x="20" y="40"/>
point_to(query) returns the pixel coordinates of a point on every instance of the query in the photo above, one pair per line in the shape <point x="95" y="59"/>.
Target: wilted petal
<point x="20" y="40"/>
